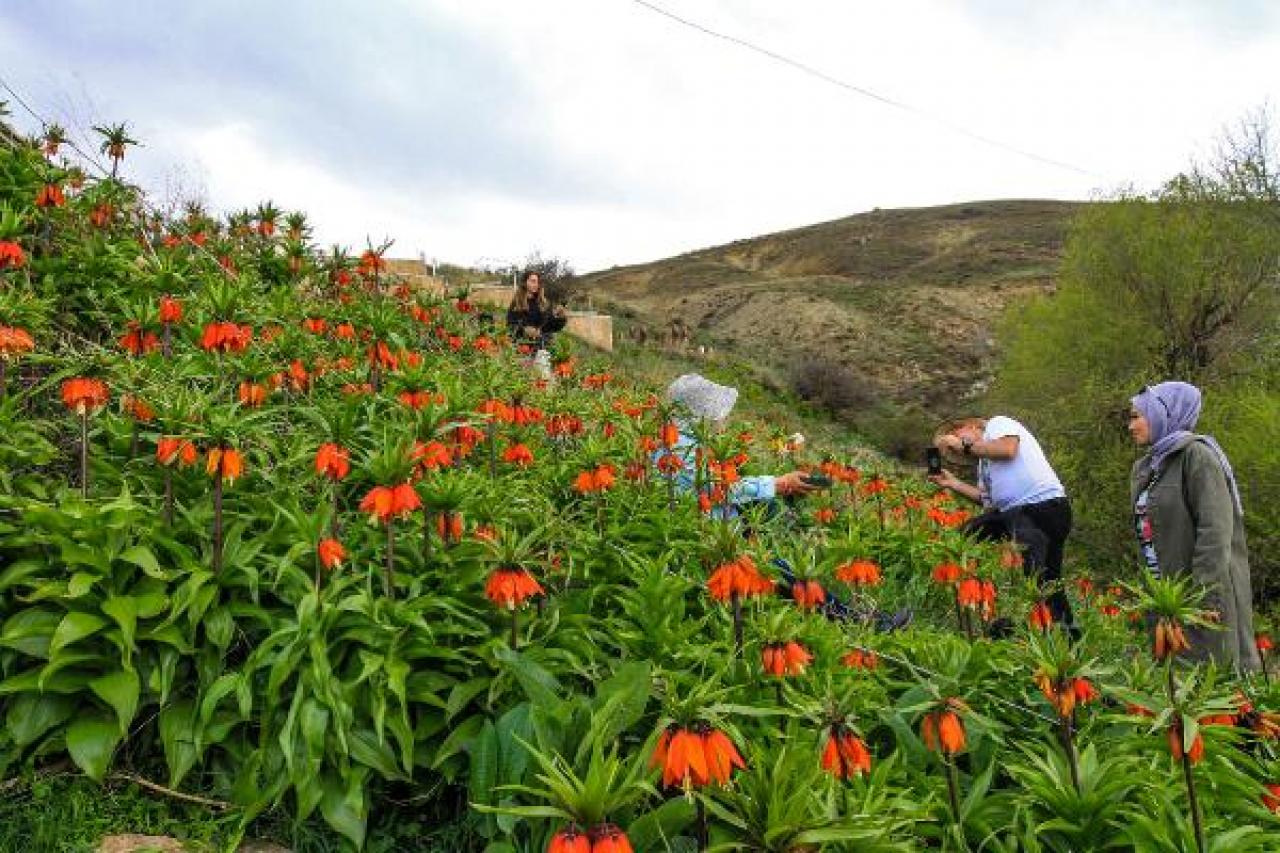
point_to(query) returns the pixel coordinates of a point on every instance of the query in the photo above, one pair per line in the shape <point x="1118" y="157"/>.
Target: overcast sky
<point x="604" y="133"/>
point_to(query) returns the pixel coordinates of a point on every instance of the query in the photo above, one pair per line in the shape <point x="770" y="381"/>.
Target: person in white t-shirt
<point x="1024" y="498"/>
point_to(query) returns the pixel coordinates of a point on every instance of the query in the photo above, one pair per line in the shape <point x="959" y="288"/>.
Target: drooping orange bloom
<point x="669" y="434"/>
<point x="383" y="503"/>
<point x="100" y="216"/>
<point x="569" y="840"/>
<point x="522" y="415"/>
<point x="83" y="395"/>
<point x="485" y="533"/>
<point x="170" y="310"/>
<point x="1084" y="586"/>
<point x="610" y="839"/>
<point x="15" y="342"/>
<point x="518" y="454"/>
<point x="943" y="731"/>
<point x="449" y="526"/>
<point x="138" y="408"/>
<point x="1262" y="642"/>
<point x="860" y="573"/>
<point x="945" y="573"/>
<point x="344" y="332"/>
<point x="695" y="758"/>
<point x="1271" y="796"/>
<point x="599" y="479"/>
<point x="170" y="449"/>
<point x="417" y="400"/>
<point x="50" y="195"/>
<point x="315" y="325"/>
<point x="969" y="593"/>
<point x="845" y="755"/>
<point x="333" y="461"/>
<point x="11" y="255"/>
<point x="861" y="659"/>
<point x="1041" y="618"/>
<point x="786" y="659"/>
<point x="670" y="464"/>
<point x="562" y="425"/>
<point x="508" y="588"/>
<point x="1170" y="640"/>
<point x="251" y="394"/>
<point x="226" y="337"/>
<point x="224" y="462"/>
<point x="331" y="553"/>
<point x="738" y="578"/>
<point x="1066" y="693"/>
<point x="808" y="593"/>
<point x="136" y="341"/>
<point x="432" y="456"/>
<point x="824" y="515"/>
<point x="1195" y="754"/>
<point x="877" y="485"/>
<point x="299" y="379"/>
<point x="1218" y="720"/>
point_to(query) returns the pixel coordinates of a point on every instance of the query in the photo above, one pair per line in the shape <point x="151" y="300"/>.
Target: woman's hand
<point x="532" y="331"/>
<point x="950" y="443"/>
<point x="792" y="483"/>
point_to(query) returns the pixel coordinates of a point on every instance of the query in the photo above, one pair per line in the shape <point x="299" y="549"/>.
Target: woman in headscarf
<point x="1189" y="520"/>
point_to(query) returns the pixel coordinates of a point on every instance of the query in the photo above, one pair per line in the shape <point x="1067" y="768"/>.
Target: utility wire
<point x="867" y="93"/>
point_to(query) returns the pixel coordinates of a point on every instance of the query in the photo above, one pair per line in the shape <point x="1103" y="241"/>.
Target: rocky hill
<point x="897" y="307"/>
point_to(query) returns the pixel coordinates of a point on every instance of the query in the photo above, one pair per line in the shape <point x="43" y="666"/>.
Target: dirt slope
<point x="905" y="300"/>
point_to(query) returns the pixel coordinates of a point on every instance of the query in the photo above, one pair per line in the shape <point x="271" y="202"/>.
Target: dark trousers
<point x="1041" y="531"/>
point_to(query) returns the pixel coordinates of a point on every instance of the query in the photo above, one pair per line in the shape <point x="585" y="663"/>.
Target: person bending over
<point x="1024" y="498"/>
<point x="530" y="318"/>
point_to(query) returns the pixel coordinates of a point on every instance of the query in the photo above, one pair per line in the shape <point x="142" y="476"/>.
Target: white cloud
<point x="602" y="132"/>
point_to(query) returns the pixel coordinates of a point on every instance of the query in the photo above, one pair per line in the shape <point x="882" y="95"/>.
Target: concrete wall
<point x="595" y="329"/>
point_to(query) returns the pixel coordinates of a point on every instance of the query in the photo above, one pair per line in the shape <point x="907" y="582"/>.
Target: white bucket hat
<point x="701" y="398"/>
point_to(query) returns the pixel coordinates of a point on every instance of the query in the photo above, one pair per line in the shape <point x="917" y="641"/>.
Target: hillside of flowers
<point x="279" y="530"/>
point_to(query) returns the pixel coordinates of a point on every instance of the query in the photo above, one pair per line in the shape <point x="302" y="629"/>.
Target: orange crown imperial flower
<point x="695" y="758"/>
<point x="15" y="341"/>
<point x="786" y="659"/>
<point x="84" y="396"/>
<point x="11" y="255"/>
<point x="860" y="573"/>
<point x="169" y="450"/>
<point x="1170" y="640"/>
<point x="225" y="462"/>
<point x="943" y="730"/>
<point x="570" y="840"/>
<point x="600" y="479"/>
<point x="383" y="503"/>
<point x="944" y="573"/>
<point x="738" y="578"/>
<point x="518" y="454"/>
<point x="861" y="659"/>
<point x="251" y="394"/>
<point x="170" y="310"/>
<point x="508" y="588"/>
<point x="333" y="461"/>
<point x="808" y="594"/>
<point x="845" y="754"/>
<point x="1041" y="618"/>
<point x="610" y="839"/>
<point x="331" y="553"/>
<point x="1195" y="754"/>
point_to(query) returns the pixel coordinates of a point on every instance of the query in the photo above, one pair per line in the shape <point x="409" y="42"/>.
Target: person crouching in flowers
<point x="706" y="405"/>
<point x="1188" y="518"/>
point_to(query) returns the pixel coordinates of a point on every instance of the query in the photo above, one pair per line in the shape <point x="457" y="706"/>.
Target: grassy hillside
<point x="900" y="302"/>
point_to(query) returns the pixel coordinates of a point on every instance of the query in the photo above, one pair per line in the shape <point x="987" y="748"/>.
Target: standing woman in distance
<point x="1188" y="518"/>
<point x="530" y="317"/>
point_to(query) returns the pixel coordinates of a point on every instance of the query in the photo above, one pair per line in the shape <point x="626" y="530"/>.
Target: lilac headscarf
<point x="1171" y="410"/>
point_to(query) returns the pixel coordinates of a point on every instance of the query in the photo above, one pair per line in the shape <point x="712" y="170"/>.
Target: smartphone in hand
<point x="818" y="481"/>
<point x="933" y="459"/>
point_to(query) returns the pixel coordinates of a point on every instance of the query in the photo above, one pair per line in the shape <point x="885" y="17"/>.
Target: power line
<point x="867" y="93"/>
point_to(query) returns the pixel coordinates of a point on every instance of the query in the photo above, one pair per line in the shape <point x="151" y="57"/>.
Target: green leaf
<point x="32" y="714"/>
<point x="457" y="740"/>
<point x="91" y="740"/>
<point x="75" y="626"/>
<point x="178" y="736"/>
<point x="538" y="684"/>
<point x="124" y="610"/>
<point x="18" y="571"/>
<point x="143" y="557"/>
<point x="119" y="690"/>
<point x="648" y="831"/>
<point x="30" y="632"/>
<point x="484" y="764"/>
<point x="344" y="808"/>
<point x="463" y="693"/>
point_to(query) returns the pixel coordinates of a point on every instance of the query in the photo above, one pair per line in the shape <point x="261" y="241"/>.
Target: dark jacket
<point x="545" y="322"/>
<point x="1196" y="530"/>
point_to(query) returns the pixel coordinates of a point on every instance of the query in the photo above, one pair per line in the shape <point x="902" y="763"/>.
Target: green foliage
<point x="1177" y="285"/>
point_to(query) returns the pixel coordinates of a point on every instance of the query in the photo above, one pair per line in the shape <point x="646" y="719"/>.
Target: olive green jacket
<point x="1196" y="529"/>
